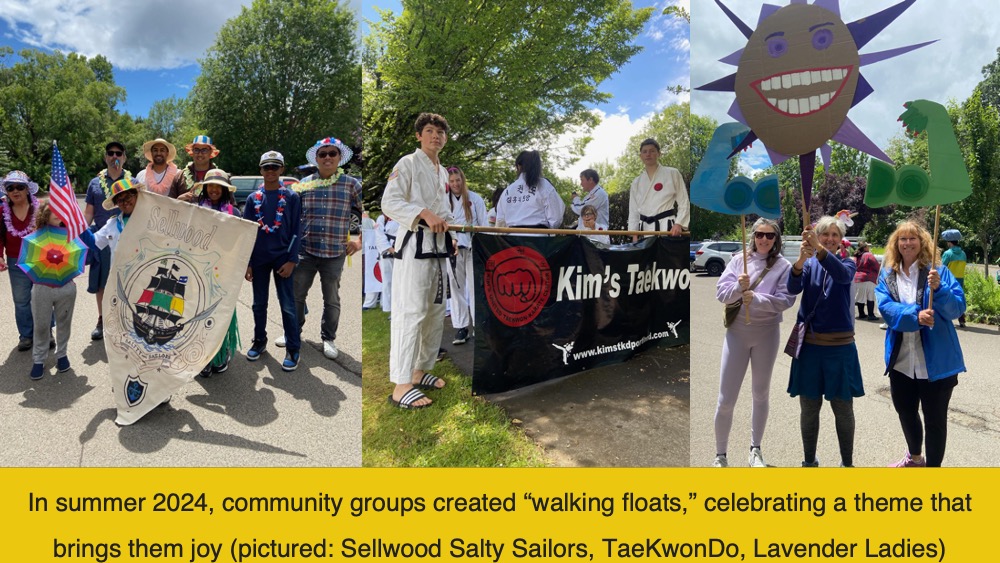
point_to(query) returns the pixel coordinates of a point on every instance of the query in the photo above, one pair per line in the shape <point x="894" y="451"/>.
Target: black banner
<point x="550" y="306"/>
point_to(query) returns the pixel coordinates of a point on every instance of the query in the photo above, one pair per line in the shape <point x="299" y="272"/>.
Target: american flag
<point x="62" y="199"/>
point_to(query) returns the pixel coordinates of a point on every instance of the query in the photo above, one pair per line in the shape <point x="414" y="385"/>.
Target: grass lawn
<point x="458" y="430"/>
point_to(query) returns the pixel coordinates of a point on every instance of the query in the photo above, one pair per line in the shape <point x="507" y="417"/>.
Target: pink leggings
<point x="745" y="344"/>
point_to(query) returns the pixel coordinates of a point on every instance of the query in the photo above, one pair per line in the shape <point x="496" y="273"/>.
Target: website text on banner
<point x="560" y="305"/>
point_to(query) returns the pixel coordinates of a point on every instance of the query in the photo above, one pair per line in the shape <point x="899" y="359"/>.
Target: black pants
<point x="933" y="398"/>
<point x="843" y="415"/>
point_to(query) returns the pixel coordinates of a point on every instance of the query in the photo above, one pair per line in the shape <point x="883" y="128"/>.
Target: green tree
<point x="979" y="135"/>
<point x="671" y="127"/>
<point x="281" y="75"/>
<point x="508" y="76"/>
<point x="52" y="96"/>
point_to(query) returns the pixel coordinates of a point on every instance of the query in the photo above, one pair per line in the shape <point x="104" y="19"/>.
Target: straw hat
<point x="147" y="147"/>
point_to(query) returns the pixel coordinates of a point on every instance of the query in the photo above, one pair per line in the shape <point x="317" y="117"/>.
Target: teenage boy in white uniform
<point x="416" y="197"/>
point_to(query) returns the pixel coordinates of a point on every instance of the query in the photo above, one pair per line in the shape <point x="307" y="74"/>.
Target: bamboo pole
<point x="535" y="231"/>
<point x="937" y="217"/>
<point x="743" y="230"/>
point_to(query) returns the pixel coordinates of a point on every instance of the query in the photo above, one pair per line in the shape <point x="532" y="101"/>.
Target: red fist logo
<point x="517" y="283"/>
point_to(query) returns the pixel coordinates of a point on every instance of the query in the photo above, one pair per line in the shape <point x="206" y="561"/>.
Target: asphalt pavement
<point x="627" y="415"/>
<point x="253" y="415"/>
<point x="974" y="419"/>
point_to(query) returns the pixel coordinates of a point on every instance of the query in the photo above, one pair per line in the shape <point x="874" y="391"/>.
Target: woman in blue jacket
<point x="922" y="354"/>
<point x="827" y="365"/>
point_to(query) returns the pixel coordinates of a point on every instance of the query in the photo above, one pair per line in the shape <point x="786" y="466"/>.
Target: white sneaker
<point x="330" y="350"/>
<point x="720" y="461"/>
<point x="756" y="459"/>
<point x="280" y="342"/>
<point x="883" y="326"/>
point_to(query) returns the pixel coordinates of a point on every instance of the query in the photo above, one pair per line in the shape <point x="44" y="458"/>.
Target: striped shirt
<point x="326" y="216"/>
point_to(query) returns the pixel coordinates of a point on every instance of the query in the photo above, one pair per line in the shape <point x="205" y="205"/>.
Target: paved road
<point x="974" y="419"/>
<point x="252" y="415"/>
<point x="629" y="415"/>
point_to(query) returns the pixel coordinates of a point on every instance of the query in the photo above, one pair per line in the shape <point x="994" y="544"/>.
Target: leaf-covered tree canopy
<point x="508" y="76"/>
<point x="281" y="75"/>
<point x="53" y="96"/>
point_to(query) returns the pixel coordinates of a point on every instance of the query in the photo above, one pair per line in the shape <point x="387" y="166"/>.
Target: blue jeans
<point x="20" y="287"/>
<point x="329" y="270"/>
<point x="284" y="287"/>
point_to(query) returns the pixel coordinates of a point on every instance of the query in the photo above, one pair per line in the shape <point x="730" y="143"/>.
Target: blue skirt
<point x="831" y="372"/>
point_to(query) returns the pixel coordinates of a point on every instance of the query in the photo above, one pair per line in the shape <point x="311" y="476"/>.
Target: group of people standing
<point x="917" y="301"/>
<point x="429" y="265"/>
<point x="302" y="231"/>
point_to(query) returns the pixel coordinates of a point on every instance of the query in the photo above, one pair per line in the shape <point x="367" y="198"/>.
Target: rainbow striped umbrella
<point x="49" y="259"/>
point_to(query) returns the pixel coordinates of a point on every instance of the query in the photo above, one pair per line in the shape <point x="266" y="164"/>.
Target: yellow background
<point x="29" y="536"/>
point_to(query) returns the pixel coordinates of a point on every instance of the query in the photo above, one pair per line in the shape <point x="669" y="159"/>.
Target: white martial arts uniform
<point x="416" y="184"/>
<point x="385" y="238"/>
<point x="596" y="238"/>
<point x="522" y="206"/>
<point x="463" y="294"/>
<point x="645" y="200"/>
<point x="599" y="199"/>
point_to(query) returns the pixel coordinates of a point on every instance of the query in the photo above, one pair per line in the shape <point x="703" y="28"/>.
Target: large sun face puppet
<point x="798" y="76"/>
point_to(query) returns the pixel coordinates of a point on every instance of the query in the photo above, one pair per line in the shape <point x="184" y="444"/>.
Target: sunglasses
<point x="328" y="154"/>
<point x="270" y="167"/>
<point x="123" y="197"/>
<point x="768" y="236"/>
<point x="16" y="188"/>
<point x="115" y="153"/>
<point x="200" y="150"/>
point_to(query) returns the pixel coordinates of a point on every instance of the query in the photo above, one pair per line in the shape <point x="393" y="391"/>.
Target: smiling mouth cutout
<point x="802" y="93"/>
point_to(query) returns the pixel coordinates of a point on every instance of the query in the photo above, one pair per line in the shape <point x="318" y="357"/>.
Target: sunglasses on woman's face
<point x="16" y="188"/>
<point x="328" y="154"/>
<point x="768" y="236"/>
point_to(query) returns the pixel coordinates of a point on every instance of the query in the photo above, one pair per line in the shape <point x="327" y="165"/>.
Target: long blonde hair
<point x="928" y="251"/>
<point x="466" y="202"/>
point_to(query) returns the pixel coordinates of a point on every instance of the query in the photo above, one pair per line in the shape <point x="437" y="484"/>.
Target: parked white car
<point x="713" y="256"/>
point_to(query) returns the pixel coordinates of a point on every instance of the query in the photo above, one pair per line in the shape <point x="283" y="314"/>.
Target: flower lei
<point x="32" y="208"/>
<point x="102" y="176"/>
<point x="189" y="178"/>
<point x="226" y="208"/>
<point x="312" y="185"/>
<point x="258" y="200"/>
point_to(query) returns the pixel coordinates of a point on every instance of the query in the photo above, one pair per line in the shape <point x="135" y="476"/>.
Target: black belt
<point x="537" y="226"/>
<point x="655" y="219"/>
<point x="443" y="290"/>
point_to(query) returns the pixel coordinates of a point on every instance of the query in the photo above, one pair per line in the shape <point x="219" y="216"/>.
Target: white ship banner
<point x="175" y="279"/>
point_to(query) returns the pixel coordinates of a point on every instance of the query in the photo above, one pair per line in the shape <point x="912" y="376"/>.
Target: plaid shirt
<point x="326" y="216"/>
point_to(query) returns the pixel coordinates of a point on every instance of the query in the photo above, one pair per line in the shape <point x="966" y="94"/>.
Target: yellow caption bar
<point x="497" y="515"/>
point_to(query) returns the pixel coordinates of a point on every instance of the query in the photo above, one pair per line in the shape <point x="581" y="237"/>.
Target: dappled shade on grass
<point x="458" y="430"/>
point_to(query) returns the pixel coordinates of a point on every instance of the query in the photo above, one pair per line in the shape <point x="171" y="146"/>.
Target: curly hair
<point x="43" y="214"/>
<point x="425" y="119"/>
<point x="894" y="259"/>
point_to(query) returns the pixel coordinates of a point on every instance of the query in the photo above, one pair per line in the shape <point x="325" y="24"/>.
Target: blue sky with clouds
<point x="154" y="46"/>
<point x="638" y="90"/>
<point x="949" y="69"/>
